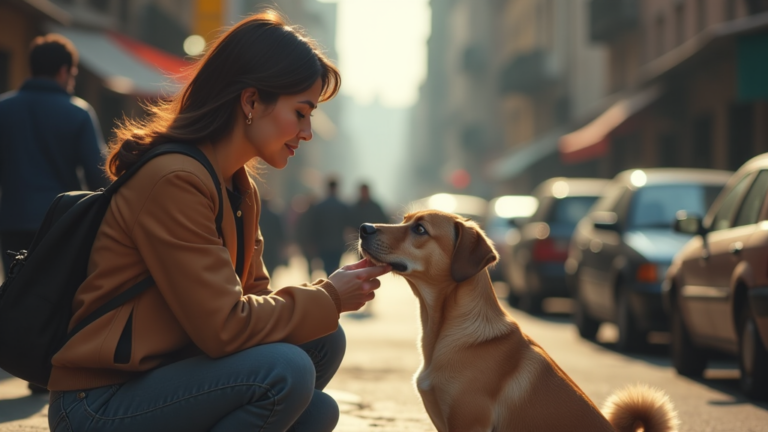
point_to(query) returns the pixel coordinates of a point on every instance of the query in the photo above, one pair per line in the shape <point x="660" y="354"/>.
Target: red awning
<point x="163" y="61"/>
<point x="126" y="65"/>
<point x="592" y="141"/>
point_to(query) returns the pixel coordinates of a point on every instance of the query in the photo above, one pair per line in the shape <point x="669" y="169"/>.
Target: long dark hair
<point x="262" y="52"/>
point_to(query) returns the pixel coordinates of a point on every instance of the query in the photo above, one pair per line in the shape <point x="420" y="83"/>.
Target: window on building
<point x="702" y="141"/>
<point x="668" y="150"/>
<point x="125" y="11"/>
<point x="5" y="71"/>
<point x="701" y="15"/>
<point x="660" y="34"/>
<point x="100" y="5"/>
<point x="756" y="6"/>
<point x="680" y="23"/>
<point x="741" y="126"/>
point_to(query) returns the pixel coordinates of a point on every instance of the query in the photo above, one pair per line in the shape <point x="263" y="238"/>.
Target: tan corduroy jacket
<point x="162" y="221"/>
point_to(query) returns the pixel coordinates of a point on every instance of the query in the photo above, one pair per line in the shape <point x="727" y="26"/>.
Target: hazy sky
<point x="382" y="46"/>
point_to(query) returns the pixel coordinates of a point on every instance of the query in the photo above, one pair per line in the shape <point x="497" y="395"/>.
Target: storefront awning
<point x="592" y="140"/>
<point x="125" y="65"/>
<point x="517" y="160"/>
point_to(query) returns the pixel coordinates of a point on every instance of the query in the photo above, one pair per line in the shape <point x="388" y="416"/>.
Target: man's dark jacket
<point x="45" y="134"/>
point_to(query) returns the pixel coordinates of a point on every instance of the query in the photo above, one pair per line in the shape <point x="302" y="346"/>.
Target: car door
<point x="726" y="252"/>
<point x="699" y="292"/>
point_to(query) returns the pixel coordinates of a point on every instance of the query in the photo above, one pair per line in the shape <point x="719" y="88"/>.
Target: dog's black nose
<point x="367" y="229"/>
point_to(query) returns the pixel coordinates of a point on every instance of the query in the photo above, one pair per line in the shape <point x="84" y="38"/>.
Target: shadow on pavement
<point x="21" y="408"/>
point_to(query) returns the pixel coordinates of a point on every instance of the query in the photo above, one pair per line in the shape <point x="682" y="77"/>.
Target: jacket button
<point x="239" y="213"/>
<point x="81" y="395"/>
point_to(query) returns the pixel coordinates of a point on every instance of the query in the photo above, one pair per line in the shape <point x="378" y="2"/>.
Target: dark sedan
<point x="621" y="251"/>
<point x="536" y="268"/>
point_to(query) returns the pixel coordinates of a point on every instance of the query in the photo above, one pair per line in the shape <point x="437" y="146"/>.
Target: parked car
<point x="505" y="215"/>
<point x="716" y="289"/>
<point x="536" y="268"/>
<point x="621" y="250"/>
<point x="468" y="206"/>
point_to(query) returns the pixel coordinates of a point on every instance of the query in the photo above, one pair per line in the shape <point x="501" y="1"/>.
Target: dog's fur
<point x="479" y="371"/>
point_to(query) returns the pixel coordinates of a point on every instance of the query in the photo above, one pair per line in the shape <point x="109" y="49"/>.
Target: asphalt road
<point x="375" y="390"/>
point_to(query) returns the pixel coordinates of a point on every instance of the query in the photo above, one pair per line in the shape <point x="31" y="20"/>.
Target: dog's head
<point x="429" y="245"/>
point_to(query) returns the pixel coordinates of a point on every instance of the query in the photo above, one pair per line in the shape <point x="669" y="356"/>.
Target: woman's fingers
<point x="363" y="263"/>
<point x="371" y="285"/>
<point x="372" y="272"/>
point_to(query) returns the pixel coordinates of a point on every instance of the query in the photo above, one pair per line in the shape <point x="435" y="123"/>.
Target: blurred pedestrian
<point x="303" y="228"/>
<point x="210" y="345"/>
<point x="329" y="221"/>
<point x="366" y="210"/>
<point x="273" y="232"/>
<point x="46" y="134"/>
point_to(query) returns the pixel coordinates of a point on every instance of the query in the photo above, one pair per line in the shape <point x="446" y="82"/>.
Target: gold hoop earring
<point x="250" y="119"/>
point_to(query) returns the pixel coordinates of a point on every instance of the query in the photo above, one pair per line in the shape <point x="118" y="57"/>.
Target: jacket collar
<point x="43" y="84"/>
<point x="249" y="208"/>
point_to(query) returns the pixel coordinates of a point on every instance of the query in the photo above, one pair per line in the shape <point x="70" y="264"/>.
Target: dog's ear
<point x="471" y="254"/>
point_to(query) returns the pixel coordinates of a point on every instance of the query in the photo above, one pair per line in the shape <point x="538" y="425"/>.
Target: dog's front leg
<point x="432" y="406"/>
<point x="470" y="417"/>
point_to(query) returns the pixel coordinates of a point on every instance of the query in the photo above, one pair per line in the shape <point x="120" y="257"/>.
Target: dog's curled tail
<point x="641" y="408"/>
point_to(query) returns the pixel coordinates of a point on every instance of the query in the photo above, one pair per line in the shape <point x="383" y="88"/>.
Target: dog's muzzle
<point x="367" y="230"/>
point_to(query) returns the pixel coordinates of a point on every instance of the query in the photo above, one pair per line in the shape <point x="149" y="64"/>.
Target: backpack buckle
<point x="18" y="261"/>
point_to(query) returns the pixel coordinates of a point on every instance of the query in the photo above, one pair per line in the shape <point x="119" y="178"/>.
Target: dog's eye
<point x="419" y="229"/>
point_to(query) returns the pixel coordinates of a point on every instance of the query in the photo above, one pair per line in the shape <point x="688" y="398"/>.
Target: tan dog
<point x="479" y="371"/>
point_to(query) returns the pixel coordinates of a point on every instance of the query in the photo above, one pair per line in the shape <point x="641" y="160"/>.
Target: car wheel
<point x="753" y="358"/>
<point x="586" y="325"/>
<point x="512" y="299"/>
<point x="688" y="359"/>
<point x="531" y="303"/>
<point x="630" y="338"/>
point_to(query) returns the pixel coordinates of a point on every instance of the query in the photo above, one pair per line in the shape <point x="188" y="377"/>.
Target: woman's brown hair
<point x="262" y="52"/>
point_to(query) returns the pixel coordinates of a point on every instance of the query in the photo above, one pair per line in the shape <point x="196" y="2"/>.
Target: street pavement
<point x="375" y="390"/>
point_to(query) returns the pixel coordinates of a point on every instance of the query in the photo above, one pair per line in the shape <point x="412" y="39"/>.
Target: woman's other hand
<point x="357" y="282"/>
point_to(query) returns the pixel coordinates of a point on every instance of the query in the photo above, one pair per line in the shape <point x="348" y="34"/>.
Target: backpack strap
<point x="188" y="149"/>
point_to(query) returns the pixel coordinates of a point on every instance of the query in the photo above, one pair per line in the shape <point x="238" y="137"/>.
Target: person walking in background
<point x="273" y="232"/>
<point x="366" y="210"/>
<point x="45" y="135"/>
<point x="302" y="229"/>
<point x="328" y="221"/>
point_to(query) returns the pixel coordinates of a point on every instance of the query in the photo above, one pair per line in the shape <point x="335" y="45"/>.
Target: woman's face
<point x="277" y="130"/>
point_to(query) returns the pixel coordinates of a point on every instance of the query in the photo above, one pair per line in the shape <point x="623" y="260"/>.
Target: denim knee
<point x="330" y="409"/>
<point x="292" y="369"/>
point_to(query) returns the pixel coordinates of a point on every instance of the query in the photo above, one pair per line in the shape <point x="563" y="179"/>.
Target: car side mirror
<point x="608" y="221"/>
<point x="688" y="224"/>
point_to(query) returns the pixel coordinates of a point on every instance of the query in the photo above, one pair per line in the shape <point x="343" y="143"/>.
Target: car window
<point x="570" y="210"/>
<point x="608" y="201"/>
<point x="656" y="206"/>
<point x="724" y="216"/>
<point x="753" y="202"/>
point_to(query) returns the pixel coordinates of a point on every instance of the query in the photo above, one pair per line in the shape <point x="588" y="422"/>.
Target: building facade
<point x="695" y="70"/>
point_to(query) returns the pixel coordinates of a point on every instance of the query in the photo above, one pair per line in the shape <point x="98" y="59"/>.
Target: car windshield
<point x="570" y="210"/>
<point x="656" y="206"/>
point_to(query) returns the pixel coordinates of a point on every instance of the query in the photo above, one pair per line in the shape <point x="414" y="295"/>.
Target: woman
<point x="211" y="347"/>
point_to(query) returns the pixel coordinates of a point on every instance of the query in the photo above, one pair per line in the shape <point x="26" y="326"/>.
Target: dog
<point x="480" y="372"/>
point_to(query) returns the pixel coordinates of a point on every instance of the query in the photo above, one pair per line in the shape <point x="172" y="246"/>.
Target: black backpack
<point x="36" y="298"/>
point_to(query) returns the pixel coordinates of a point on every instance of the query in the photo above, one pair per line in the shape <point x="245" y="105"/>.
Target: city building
<point x="20" y="22"/>
<point x="687" y="79"/>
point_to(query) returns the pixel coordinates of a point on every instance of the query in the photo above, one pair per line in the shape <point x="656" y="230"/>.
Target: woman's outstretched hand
<point x="357" y="282"/>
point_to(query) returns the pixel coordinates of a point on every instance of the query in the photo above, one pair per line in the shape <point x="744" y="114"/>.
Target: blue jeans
<point x="267" y="388"/>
